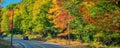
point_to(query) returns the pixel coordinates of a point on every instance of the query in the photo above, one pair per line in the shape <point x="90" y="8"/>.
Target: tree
<point x="59" y="16"/>
<point x="1" y="1"/>
<point x="0" y="17"/>
<point x="4" y="21"/>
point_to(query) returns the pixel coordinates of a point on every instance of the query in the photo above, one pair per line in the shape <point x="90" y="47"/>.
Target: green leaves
<point x="101" y="8"/>
<point x="90" y="20"/>
<point x="4" y="21"/>
<point x="1" y="1"/>
<point x="72" y="8"/>
<point x="11" y="6"/>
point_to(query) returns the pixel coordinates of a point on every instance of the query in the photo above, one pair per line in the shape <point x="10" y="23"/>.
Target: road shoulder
<point x="15" y="44"/>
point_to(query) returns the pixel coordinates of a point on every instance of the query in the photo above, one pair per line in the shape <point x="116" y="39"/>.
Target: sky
<point x="6" y="2"/>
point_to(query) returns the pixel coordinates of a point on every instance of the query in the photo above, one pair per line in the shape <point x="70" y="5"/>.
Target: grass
<point x="5" y="44"/>
<point x="64" y="42"/>
<point x="74" y="44"/>
<point x="78" y="44"/>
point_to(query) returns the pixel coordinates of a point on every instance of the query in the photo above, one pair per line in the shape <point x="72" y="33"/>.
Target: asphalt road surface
<point x="33" y="44"/>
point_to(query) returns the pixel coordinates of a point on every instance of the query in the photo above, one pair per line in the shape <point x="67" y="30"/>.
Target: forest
<point x="88" y="21"/>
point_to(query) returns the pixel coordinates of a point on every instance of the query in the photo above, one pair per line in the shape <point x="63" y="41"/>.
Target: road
<point x="34" y="44"/>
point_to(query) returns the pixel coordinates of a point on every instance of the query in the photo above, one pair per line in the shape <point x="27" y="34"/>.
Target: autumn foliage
<point x="96" y="21"/>
<point x="63" y="19"/>
<point x="103" y="20"/>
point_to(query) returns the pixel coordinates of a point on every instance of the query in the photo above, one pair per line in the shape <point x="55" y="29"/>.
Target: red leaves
<point x="11" y="13"/>
<point x="107" y="21"/>
<point x="3" y="32"/>
<point x="62" y="19"/>
<point x="10" y="24"/>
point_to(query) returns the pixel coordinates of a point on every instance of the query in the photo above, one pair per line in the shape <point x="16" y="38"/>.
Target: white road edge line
<point x="41" y="46"/>
<point x="23" y="44"/>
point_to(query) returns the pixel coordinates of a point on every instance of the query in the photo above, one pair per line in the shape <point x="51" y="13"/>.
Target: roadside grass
<point x="5" y="44"/>
<point x="63" y="41"/>
<point x="78" y="44"/>
<point x="73" y="44"/>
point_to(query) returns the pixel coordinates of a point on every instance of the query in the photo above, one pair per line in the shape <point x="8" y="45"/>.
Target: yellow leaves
<point x="50" y="16"/>
<point x="56" y="6"/>
<point x="54" y="1"/>
<point x="66" y="32"/>
<point x="27" y="32"/>
<point x="58" y="3"/>
<point x="85" y="7"/>
<point x="73" y="1"/>
<point x="38" y="28"/>
<point x="88" y="5"/>
<point x="54" y="10"/>
<point x="16" y="11"/>
<point x="37" y="5"/>
<point x="98" y="35"/>
<point x="62" y="19"/>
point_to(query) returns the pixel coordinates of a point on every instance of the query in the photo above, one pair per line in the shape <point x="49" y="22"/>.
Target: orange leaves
<point x="61" y="16"/>
<point x="62" y="19"/>
<point x="54" y="10"/>
<point x="107" y="21"/>
<point x="56" y="6"/>
<point x="58" y="2"/>
<point x="11" y="13"/>
<point x="66" y="32"/>
<point x="88" y="19"/>
<point x="10" y="24"/>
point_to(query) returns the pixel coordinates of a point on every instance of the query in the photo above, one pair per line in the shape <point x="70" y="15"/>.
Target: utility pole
<point x="0" y="18"/>
<point x="11" y="14"/>
<point x="68" y="28"/>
